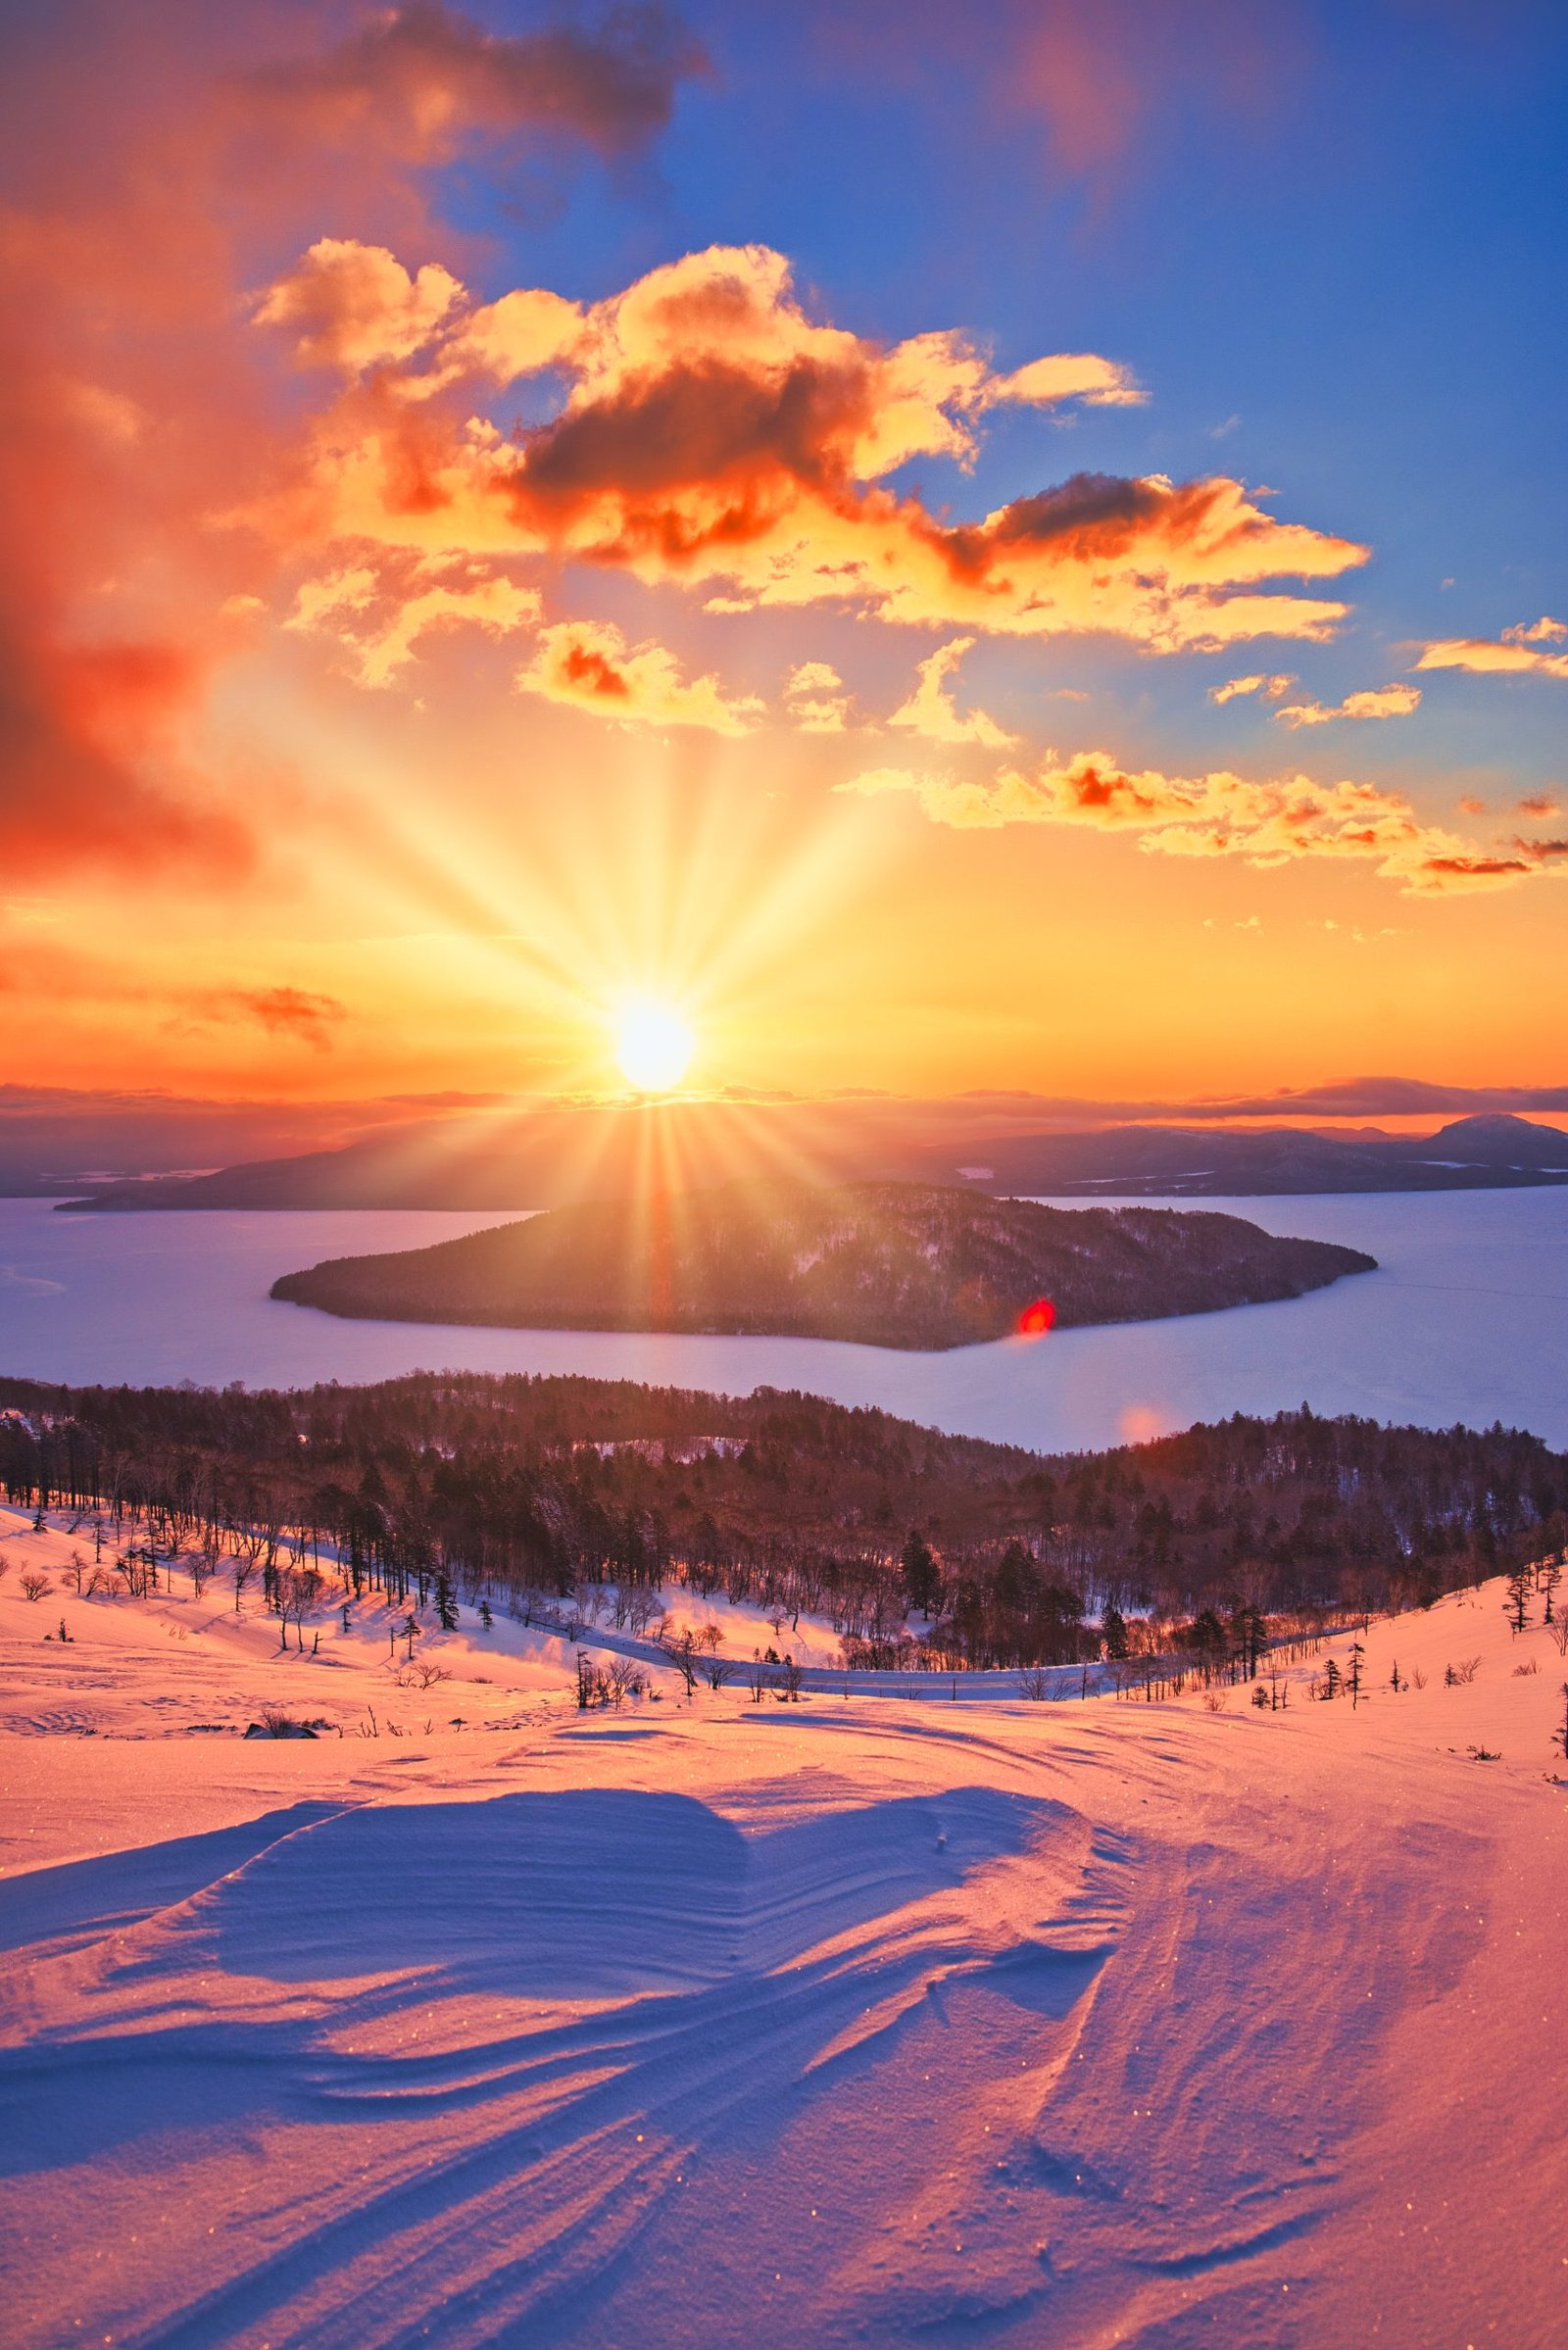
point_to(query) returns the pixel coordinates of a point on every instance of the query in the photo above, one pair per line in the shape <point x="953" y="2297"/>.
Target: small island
<point x="922" y="1267"/>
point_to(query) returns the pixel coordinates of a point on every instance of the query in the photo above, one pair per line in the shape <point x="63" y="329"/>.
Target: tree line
<point x="916" y="1546"/>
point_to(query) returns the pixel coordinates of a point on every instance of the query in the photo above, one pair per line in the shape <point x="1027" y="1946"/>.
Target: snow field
<point x="716" y="2024"/>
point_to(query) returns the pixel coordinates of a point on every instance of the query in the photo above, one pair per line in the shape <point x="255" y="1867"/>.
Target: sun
<point x="653" y="1044"/>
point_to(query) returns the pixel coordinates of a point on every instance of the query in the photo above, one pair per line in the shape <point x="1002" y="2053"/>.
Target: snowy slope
<point x="705" y="2024"/>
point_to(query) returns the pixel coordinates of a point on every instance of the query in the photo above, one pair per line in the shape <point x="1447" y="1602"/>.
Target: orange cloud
<point x="1518" y="652"/>
<point x="589" y="665"/>
<point x="714" y="435"/>
<point x="1069" y="375"/>
<point x="1270" y="687"/>
<point x="931" y="711"/>
<point x="145" y="150"/>
<point x="287" y="1011"/>
<point x="382" y="649"/>
<point x="1267" y="824"/>
<point x="1377" y="701"/>
<point x="354" y="306"/>
<point x="814" y="696"/>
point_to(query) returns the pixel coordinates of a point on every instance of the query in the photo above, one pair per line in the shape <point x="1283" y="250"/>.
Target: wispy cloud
<point x="282" y="1011"/>
<point x="380" y="621"/>
<point x="1069" y="375"/>
<point x="1273" y="822"/>
<point x="931" y="711"/>
<point x="815" y="700"/>
<point x="1375" y="702"/>
<point x="1269" y="686"/>
<point x="589" y="665"/>
<point x="1520" y="651"/>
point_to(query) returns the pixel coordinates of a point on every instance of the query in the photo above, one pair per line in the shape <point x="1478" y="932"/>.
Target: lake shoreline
<point x="1465" y="1320"/>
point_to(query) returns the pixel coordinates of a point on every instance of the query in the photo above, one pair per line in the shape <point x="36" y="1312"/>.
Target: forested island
<point x="458" y="1486"/>
<point x="884" y="1264"/>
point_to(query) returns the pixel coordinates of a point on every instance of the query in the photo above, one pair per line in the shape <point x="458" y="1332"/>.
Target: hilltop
<point x="907" y="1266"/>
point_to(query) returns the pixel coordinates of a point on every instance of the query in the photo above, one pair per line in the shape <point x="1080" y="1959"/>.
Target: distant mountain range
<point x="888" y="1265"/>
<point x="547" y="1157"/>
<point x="1470" y="1154"/>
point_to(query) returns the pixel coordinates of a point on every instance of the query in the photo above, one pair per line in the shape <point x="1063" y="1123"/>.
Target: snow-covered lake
<point x="1467" y="1319"/>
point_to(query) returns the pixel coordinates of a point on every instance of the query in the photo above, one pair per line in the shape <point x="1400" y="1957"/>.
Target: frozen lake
<point x="1467" y="1319"/>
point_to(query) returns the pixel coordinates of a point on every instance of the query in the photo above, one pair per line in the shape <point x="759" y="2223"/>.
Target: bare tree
<point x="645" y="1604"/>
<point x="422" y="1673"/>
<point x="682" y="1655"/>
<point x="240" y="1574"/>
<point x="624" y="1677"/>
<point x="35" y="1586"/>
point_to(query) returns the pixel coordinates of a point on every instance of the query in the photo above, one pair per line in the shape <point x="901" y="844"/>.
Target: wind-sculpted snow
<point x="843" y="2023"/>
<point x="669" y="1986"/>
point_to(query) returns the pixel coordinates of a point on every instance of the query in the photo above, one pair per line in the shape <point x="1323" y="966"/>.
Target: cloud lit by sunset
<point x="487" y="529"/>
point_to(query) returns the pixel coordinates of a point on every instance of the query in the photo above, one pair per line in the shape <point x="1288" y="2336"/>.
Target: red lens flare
<point x="1036" y="1319"/>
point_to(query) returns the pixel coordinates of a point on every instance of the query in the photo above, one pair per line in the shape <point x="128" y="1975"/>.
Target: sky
<point x="1018" y="548"/>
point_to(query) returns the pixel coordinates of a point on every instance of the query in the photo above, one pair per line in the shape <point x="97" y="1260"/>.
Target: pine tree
<point x="922" y="1581"/>
<point x="1357" y="1652"/>
<point x="1519" y="1584"/>
<point x="1114" y="1630"/>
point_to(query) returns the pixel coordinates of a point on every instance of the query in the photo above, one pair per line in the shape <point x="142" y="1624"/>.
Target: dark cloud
<point x="419" y="78"/>
<point x="710" y="424"/>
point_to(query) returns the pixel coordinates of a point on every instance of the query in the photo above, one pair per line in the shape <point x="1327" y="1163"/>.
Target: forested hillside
<point x="521" y="1485"/>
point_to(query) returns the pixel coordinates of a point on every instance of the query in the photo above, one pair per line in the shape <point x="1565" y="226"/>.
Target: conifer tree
<point x="1519" y="1581"/>
<point x="922" y="1583"/>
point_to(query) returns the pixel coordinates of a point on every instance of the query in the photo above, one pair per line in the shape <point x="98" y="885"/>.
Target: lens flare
<point x="653" y="1044"/>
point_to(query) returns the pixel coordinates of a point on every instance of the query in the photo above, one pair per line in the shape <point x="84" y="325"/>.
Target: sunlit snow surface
<point x="852" y="2023"/>
<point x="1467" y="1319"/>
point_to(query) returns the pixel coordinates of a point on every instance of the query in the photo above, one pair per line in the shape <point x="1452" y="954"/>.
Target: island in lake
<point x="881" y="1264"/>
